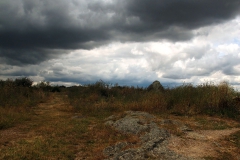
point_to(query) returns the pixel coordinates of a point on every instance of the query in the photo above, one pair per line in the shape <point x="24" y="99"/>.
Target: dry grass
<point x="185" y="100"/>
<point x="235" y="138"/>
<point x="16" y="102"/>
<point x="11" y="116"/>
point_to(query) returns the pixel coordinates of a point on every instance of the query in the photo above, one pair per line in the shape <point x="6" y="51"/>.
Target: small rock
<point x="194" y="135"/>
<point x="185" y="128"/>
<point x="77" y="117"/>
<point x="111" y="150"/>
<point x="181" y="126"/>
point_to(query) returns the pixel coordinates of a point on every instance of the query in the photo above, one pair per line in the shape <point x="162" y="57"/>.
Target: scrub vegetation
<point x="209" y="99"/>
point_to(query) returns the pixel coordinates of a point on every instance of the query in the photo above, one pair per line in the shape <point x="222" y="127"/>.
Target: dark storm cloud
<point x="185" y="13"/>
<point x="8" y="70"/>
<point x="32" y="30"/>
<point x="21" y="56"/>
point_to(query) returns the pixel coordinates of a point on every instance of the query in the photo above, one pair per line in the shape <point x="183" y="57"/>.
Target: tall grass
<point x="207" y="98"/>
<point x="16" y="99"/>
<point x="12" y="95"/>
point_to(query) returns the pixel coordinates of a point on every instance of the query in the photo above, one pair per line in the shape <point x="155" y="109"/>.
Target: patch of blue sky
<point x="221" y="54"/>
<point x="236" y="41"/>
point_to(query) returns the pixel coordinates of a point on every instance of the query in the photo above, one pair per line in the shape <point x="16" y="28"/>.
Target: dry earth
<point x="48" y="116"/>
<point x="205" y="143"/>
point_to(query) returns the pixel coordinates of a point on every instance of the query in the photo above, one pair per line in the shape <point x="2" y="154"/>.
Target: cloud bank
<point x="78" y="41"/>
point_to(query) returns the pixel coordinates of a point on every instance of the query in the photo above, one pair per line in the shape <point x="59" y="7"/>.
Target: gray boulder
<point x="155" y="86"/>
<point x="153" y="143"/>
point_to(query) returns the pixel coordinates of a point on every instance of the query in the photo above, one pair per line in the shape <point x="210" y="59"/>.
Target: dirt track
<point x="44" y="113"/>
<point x="204" y="143"/>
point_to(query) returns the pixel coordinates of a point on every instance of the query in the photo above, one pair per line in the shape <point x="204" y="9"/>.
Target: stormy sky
<point x="129" y="42"/>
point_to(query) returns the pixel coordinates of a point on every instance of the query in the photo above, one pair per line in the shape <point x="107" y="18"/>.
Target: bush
<point x="44" y="85"/>
<point x="24" y="82"/>
<point x="19" y="93"/>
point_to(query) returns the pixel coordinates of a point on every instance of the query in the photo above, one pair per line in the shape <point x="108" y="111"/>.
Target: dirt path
<point x="55" y="109"/>
<point x="44" y="112"/>
<point x="205" y="143"/>
<point x="46" y="135"/>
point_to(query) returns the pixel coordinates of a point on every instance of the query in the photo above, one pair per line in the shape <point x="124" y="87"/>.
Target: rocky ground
<point x="156" y="142"/>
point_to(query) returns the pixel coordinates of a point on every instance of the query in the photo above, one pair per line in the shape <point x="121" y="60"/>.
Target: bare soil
<point x="205" y="143"/>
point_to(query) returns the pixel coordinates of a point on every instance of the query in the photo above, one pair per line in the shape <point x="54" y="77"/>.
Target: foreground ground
<point x="55" y="131"/>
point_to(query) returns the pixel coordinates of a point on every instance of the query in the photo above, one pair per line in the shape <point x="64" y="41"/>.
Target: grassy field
<point x="17" y="97"/>
<point x="36" y="123"/>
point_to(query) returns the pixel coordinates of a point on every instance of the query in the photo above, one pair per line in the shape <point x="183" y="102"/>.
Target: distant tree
<point x="24" y="82"/>
<point x="44" y="85"/>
